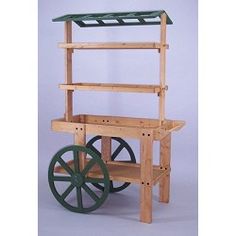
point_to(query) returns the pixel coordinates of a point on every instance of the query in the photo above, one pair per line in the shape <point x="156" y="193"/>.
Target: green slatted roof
<point x="115" y="18"/>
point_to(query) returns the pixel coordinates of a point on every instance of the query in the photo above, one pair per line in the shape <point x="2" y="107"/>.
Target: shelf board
<point x="113" y="45"/>
<point x="120" y="172"/>
<point x="133" y="88"/>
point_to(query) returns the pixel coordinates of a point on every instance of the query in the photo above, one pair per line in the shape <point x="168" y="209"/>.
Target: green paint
<point x="77" y="179"/>
<point x="120" y="18"/>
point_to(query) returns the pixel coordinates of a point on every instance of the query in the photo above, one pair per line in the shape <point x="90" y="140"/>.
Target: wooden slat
<point x="135" y="88"/>
<point x="113" y="45"/>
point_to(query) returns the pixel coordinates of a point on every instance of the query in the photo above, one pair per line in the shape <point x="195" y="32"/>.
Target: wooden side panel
<point x="165" y="155"/>
<point x="106" y="148"/>
<point x="146" y="152"/>
<point x="68" y="73"/>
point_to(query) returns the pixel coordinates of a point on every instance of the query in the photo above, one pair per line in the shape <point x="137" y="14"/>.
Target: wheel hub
<point x="77" y="180"/>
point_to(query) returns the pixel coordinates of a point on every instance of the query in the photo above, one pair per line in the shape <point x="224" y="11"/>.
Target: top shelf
<point x="116" y="18"/>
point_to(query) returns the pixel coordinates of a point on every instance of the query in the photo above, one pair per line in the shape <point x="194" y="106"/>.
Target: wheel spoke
<point x="79" y="198"/>
<point x="94" y="149"/>
<point x="94" y="180"/>
<point x="90" y="192"/>
<point x="61" y="178"/>
<point x="88" y="167"/>
<point x="65" y="166"/>
<point x="76" y="160"/>
<point x="117" y="151"/>
<point x="67" y="192"/>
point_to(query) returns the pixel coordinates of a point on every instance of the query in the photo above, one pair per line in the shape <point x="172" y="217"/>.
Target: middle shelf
<point x="134" y="88"/>
<point x="119" y="171"/>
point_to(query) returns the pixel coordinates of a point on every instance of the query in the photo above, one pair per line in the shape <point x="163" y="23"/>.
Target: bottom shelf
<point x="120" y="171"/>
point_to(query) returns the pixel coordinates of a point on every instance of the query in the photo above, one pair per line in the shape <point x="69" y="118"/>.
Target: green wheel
<point x="71" y="186"/>
<point x="129" y="158"/>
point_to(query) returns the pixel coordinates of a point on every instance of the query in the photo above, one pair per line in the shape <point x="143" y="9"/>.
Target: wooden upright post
<point x="162" y="68"/>
<point x="106" y="148"/>
<point x="165" y="154"/>
<point x="146" y="152"/>
<point x="68" y="73"/>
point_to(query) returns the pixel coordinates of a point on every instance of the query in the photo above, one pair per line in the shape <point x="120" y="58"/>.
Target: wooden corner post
<point x="68" y="73"/>
<point x="146" y="152"/>
<point x="162" y="69"/>
<point x="165" y="155"/>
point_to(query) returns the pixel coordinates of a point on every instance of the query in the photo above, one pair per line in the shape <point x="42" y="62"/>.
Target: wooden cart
<point x="84" y="165"/>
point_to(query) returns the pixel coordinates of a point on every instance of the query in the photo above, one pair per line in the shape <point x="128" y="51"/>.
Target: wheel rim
<point x="78" y="180"/>
<point x="122" y="145"/>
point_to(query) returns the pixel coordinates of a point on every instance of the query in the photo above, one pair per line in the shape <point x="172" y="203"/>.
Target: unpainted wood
<point x="106" y="148"/>
<point x="146" y="152"/>
<point x="162" y="68"/>
<point x="68" y="72"/>
<point x="120" y="171"/>
<point x="119" y="121"/>
<point x="117" y="127"/>
<point x="113" y="45"/>
<point x="133" y="88"/>
<point x="165" y="155"/>
<point x="80" y="139"/>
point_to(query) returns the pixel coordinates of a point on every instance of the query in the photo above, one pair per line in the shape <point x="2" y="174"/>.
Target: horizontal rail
<point x="134" y="88"/>
<point x="113" y="45"/>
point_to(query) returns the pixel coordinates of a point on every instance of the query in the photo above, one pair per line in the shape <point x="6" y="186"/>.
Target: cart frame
<point x="146" y="130"/>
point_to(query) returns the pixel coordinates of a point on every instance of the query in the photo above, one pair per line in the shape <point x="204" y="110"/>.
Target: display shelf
<point x="134" y="88"/>
<point x="113" y="45"/>
<point x="119" y="171"/>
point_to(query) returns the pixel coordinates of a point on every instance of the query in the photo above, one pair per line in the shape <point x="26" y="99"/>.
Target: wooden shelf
<point x="113" y="45"/>
<point x="112" y="126"/>
<point x="133" y="88"/>
<point x="120" y="172"/>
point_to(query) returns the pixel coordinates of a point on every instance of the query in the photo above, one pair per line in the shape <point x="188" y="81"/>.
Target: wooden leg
<point x="165" y="154"/>
<point x="80" y="139"/>
<point x="146" y="151"/>
<point x="106" y="148"/>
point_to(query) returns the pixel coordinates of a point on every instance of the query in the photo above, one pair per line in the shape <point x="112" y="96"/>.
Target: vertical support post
<point x="106" y="148"/>
<point x="162" y="68"/>
<point x="68" y="73"/>
<point x="165" y="155"/>
<point x="146" y="152"/>
<point x="80" y="139"/>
